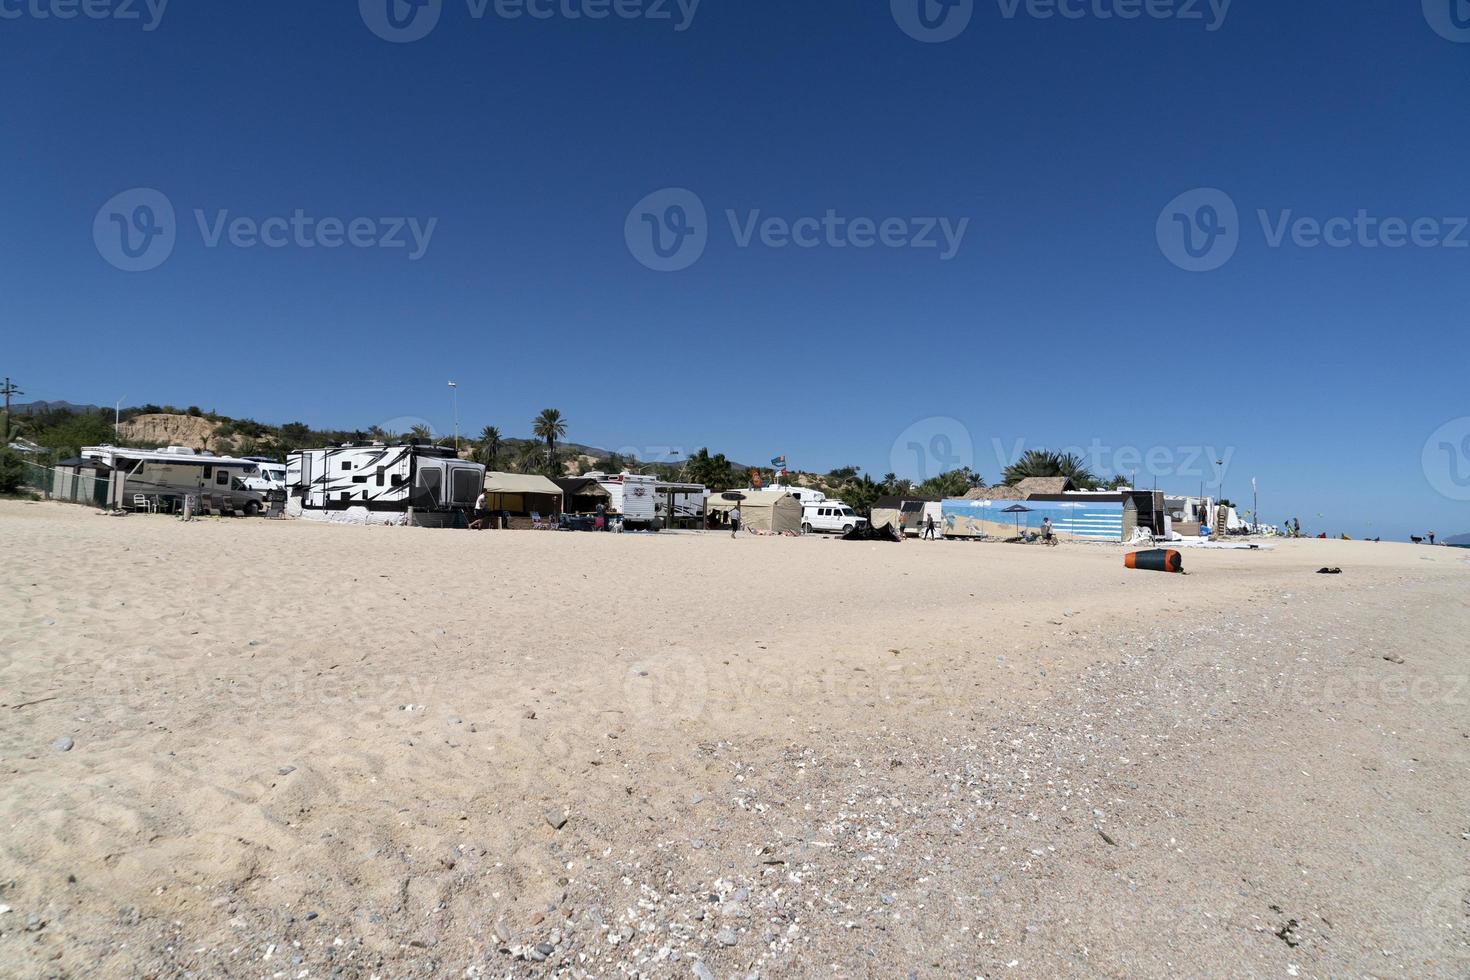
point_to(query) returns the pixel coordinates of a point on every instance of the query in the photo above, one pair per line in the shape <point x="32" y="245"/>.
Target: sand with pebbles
<point x="311" y="751"/>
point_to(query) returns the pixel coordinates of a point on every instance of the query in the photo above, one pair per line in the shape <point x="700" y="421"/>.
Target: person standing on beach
<point x="1431" y="537"/>
<point x="481" y="514"/>
<point x="929" y="528"/>
<point x="734" y="520"/>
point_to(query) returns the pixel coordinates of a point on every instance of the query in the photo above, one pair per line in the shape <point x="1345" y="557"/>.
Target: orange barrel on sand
<point x="1157" y="560"/>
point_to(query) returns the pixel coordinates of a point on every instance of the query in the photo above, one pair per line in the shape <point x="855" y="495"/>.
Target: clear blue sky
<point x="1059" y="321"/>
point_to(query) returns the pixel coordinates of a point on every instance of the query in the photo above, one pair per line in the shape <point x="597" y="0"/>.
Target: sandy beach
<point x="256" y="748"/>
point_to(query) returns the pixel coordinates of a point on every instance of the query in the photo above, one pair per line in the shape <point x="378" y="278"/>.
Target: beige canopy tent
<point x="522" y="493"/>
<point x="761" y="510"/>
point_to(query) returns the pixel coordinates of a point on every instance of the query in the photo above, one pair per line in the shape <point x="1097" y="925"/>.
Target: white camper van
<point x="830" y="515"/>
<point x="631" y="497"/>
<point x="379" y="484"/>
<point x="270" y="475"/>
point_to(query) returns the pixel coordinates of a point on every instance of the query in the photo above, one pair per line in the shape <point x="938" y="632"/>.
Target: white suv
<point x="830" y="515"/>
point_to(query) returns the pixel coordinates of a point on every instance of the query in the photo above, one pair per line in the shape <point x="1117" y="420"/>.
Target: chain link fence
<point x="73" y="485"/>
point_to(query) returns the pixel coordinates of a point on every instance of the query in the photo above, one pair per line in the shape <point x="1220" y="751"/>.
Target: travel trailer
<point x="688" y="500"/>
<point x="380" y="484"/>
<point x="150" y="477"/>
<point x="631" y="496"/>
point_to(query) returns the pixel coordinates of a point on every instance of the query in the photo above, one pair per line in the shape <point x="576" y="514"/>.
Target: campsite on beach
<point x="730" y="732"/>
<point x="668" y="490"/>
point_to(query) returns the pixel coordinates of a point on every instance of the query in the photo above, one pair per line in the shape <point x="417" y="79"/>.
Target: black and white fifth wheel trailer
<point x="378" y="484"/>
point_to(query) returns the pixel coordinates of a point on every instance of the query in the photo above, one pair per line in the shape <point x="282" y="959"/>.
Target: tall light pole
<point x="454" y="390"/>
<point x="117" y="419"/>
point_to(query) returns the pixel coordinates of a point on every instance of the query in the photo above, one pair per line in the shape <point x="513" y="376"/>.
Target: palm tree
<point x="490" y="446"/>
<point x="1040" y="462"/>
<point x="421" y="432"/>
<point x="550" y="427"/>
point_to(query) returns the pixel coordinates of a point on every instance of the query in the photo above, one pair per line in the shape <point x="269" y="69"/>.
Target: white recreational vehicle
<point x="380" y="484"/>
<point x="631" y="497"/>
<point x="271" y="474"/>
<point x="688" y="501"/>
<point x="153" y="477"/>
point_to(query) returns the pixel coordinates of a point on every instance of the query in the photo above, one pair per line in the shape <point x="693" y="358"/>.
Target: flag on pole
<point x="779" y="462"/>
<point x="755" y="478"/>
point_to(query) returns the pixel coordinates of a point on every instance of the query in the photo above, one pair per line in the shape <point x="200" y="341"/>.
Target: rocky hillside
<point x="174" y="430"/>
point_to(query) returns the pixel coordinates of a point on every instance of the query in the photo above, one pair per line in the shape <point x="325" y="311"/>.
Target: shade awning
<point x="520" y="483"/>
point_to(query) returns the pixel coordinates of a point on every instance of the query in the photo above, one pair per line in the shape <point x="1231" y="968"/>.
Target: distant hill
<point x="44" y="408"/>
<point x="1459" y="541"/>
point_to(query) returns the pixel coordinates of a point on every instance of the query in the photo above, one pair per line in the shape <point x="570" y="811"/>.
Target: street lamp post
<point x="1220" y="491"/>
<point x="117" y="419"/>
<point x="454" y="390"/>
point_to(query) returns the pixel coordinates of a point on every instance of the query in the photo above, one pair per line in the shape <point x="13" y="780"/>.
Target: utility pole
<point x="454" y="389"/>
<point x="8" y="390"/>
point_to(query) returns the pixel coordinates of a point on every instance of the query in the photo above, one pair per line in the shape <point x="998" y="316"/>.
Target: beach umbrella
<point x="1018" y="510"/>
<point x="734" y="495"/>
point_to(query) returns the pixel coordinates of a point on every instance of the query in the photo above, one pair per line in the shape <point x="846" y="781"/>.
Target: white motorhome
<point x="631" y="496"/>
<point x="829" y="515"/>
<point x="381" y="484"/>
<point x="804" y="495"/>
<point x="159" y="476"/>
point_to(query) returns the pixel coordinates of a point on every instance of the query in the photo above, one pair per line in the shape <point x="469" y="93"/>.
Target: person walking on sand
<point x="481" y="514"/>
<point x="1431" y="537"/>
<point x="1046" y="534"/>
<point x="734" y="520"/>
<point x="929" y="528"/>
